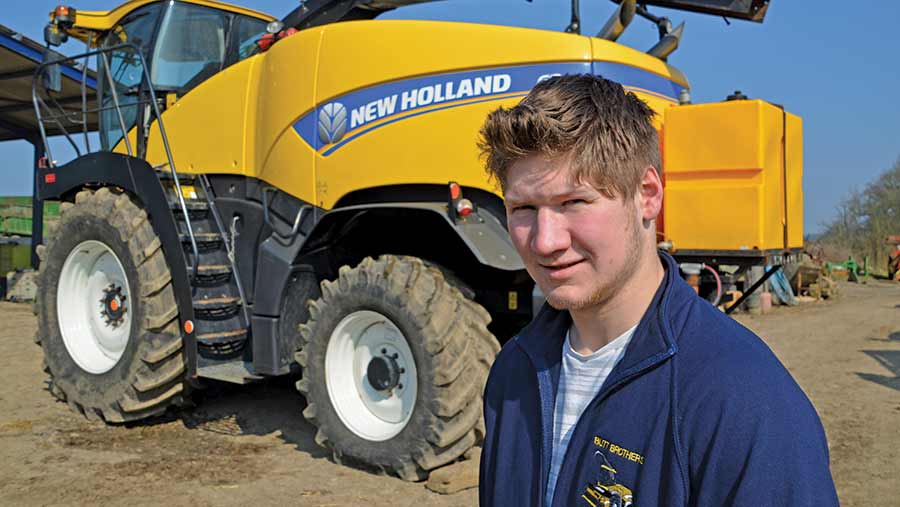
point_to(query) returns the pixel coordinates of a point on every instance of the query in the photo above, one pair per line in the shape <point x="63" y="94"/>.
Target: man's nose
<point x="550" y="234"/>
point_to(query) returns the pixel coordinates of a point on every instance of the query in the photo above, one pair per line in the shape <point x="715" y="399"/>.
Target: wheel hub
<point x="113" y="305"/>
<point x="383" y="372"/>
<point x="371" y="375"/>
<point x="94" y="338"/>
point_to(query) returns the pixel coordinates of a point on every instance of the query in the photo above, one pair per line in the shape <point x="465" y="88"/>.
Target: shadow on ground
<point x="890" y="360"/>
<point x="262" y="408"/>
<point x="892" y="337"/>
<point x="196" y="443"/>
<point x="271" y="407"/>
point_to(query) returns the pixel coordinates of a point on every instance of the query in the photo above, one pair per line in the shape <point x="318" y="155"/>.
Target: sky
<point x="832" y="63"/>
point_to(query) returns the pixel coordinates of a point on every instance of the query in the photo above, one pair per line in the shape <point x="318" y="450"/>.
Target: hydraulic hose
<point x="718" y="285"/>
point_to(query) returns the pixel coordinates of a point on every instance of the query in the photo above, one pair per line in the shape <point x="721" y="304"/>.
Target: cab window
<point x="125" y="72"/>
<point x="190" y="47"/>
<point x="247" y="31"/>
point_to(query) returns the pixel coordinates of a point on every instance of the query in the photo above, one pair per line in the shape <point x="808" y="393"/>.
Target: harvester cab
<point x="182" y="45"/>
<point x="305" y="196"/>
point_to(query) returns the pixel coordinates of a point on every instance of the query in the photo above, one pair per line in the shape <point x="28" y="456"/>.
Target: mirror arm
<point x="575" y="24"/>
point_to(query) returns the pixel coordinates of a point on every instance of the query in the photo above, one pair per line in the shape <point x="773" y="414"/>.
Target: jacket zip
<point x="547" y="395"/>
<point x="546" y="398"/>
<point x="594" y="404"/>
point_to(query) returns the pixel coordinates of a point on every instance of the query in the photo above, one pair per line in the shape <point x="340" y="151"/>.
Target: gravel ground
<point x="244" y="444"/>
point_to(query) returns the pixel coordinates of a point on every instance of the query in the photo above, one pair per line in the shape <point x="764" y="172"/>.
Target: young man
<point x="627" y="388"/>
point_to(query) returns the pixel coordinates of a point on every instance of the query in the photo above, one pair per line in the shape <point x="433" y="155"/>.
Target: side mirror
<point x="53" y="36"/>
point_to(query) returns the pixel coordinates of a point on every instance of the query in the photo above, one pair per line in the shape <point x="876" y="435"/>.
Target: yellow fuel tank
<point x="733" y="174"/>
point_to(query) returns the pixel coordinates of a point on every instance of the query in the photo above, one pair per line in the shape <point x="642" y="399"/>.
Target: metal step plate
<point x="236" y="372"/>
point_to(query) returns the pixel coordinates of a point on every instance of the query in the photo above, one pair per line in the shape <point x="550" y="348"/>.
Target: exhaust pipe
<point x="667" y="43"/>
<point x="619" y="21"/>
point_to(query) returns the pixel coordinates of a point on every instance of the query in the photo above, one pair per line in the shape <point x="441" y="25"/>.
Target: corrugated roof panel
<point x="19" y="59"/>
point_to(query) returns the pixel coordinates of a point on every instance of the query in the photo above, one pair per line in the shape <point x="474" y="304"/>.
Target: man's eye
<point x="523" y="208"/>
<point x="572" y="202"/>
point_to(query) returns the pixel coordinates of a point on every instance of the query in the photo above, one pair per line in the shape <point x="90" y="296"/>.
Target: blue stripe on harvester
<point x="637" y="78"/>
<point x="346" y="140"/>
<point x="522" y="77"/>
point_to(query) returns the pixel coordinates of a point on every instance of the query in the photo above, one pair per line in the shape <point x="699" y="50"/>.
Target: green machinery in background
<point x="854" y="270"/>
<point x="15" y="215"/>
<point x="15" y="231"/>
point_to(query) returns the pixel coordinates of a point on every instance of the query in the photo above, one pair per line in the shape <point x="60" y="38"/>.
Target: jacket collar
<point x="653" y="340"/>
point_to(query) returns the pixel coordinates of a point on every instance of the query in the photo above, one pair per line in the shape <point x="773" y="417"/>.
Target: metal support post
<point x="37" y="204"/>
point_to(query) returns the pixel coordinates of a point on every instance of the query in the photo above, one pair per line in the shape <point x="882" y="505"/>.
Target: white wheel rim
<point x="372" y="414"/>
<point x="93" y="337"/>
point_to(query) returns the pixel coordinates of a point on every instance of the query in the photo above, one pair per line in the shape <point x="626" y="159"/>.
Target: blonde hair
<point x="605" y="130"/>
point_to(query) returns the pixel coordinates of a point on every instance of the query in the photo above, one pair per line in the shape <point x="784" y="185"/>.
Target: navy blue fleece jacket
<point x="698" y="412"/>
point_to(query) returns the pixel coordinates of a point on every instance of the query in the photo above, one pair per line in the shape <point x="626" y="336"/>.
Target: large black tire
<point x="453" y="351"/>
<point x="150" y="374"/>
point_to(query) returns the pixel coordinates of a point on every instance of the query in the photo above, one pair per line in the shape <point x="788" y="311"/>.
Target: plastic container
<point x="733" y="174"/>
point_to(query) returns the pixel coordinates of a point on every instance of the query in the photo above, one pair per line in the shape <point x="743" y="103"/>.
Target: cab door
<point x="120" y="74"/>
<point x="192" y="46"/>
<point x="183" y="45"/>
<point x="202" y="65"/>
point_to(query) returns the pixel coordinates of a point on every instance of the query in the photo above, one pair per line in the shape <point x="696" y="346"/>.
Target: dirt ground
<point x="250" y="444"/>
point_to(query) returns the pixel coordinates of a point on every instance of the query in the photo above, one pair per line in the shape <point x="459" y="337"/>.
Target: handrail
<point x="115" y="98"/>
<point x="229" y="240"/>
<point x="101" y="54"/>
<point x="290" y="236"/>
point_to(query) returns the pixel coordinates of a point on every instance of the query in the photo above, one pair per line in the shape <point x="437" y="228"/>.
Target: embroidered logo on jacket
<point x="617" y="450"/>
<point x="605" y="492"/>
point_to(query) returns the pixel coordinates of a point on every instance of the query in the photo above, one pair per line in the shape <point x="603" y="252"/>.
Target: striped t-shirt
<point x="579" y="382"/>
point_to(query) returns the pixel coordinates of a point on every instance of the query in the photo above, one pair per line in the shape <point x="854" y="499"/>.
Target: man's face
<point x="579" y="246"/>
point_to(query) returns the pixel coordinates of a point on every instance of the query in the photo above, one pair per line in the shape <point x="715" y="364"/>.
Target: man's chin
<point x="565" y="300"/>
<point x="559" y="304"/>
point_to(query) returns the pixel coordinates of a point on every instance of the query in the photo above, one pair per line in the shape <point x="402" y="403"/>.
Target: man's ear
<point x="650" y="194"/>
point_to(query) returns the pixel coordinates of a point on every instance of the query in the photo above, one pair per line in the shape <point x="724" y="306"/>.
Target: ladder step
<point x="214" y="269"/>
<point x="190" y="204"/>
<point x="165" y="174"/>
<point x="216" y="308"/>
<point x="221" y="344"/>
<point x="222" y="337"/>
<point x="196" y="209"/>
<point x="205" y="240"/>
<point x="212" y="274"/>
<point x="237" y="372"/>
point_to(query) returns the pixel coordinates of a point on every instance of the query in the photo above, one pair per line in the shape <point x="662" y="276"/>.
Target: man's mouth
<point x="560" y="269"/>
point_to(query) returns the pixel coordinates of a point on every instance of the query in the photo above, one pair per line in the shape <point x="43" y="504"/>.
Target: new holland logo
<point x="332" y="122"/>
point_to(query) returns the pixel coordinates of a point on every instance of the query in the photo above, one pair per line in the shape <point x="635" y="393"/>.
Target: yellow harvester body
<point x="413" y="95"/>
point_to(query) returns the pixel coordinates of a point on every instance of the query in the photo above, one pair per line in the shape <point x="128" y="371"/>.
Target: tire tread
<point x="456" y="339"/>
<point x="157" y="375"/>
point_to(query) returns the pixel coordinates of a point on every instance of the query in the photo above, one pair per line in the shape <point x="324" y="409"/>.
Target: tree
<point x="864" y="219"/>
